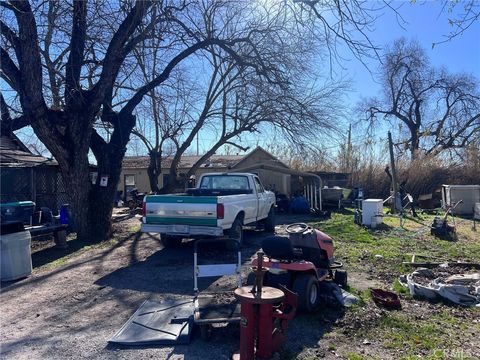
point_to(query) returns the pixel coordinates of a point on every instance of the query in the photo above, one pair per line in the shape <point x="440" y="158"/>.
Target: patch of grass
<point x="331" y="347"/>
<point x="363" y="295"/>
<point x="431" y="336"/>
<point x="380" y="253"/>
<point x="134" y="228"/>
<point x="401" y="331"/>
<point x="400" y="289"/>
<point x="354" y="356"/>
<point x="54" y="257"/>
<point x="385" y="248"/>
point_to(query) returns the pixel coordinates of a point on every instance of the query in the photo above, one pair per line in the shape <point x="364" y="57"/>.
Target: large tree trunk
<point x="154" y="170"/>
<point x="90" y="204"/>
<point x="109" y="163"/>
<point x="78" y="188"/>
<point x="67" y="137"/>
<point x="174" y="181"/>
<point x="101" y="207"/>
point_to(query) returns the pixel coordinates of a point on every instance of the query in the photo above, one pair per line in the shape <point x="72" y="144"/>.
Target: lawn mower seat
<point x="279" y="247"/>
<point x="308" y="242"/>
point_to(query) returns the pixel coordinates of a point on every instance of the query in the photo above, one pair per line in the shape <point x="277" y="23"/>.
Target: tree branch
<point x="115" y="54"/>
<point x="77" y="47"/>
<point x="10" y="72"/>
<point x="30" y="64"/>
<point x="225" y="45"/>
<point x="10" y="36"/>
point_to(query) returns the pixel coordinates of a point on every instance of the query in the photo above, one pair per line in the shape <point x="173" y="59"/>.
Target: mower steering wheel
<point x="296" y="228"/>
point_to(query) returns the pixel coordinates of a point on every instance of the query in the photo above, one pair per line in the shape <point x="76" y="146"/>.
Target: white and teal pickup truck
<point x="220" y="205"/>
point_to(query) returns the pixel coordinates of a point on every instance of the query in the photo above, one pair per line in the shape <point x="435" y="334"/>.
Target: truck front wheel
<point x="236" y="231"/>
<point x="270" y="221"/>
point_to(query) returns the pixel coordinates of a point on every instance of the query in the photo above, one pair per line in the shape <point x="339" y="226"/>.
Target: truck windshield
<point x="225" y="182"/>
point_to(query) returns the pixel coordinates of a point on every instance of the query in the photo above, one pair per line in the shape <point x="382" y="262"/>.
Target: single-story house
<point x="274" y="174"/>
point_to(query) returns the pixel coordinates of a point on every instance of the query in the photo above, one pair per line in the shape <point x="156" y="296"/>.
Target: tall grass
<point x="421" y="176"/>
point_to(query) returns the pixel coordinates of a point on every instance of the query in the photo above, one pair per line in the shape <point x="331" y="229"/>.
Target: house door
<point x="129" y="181"/>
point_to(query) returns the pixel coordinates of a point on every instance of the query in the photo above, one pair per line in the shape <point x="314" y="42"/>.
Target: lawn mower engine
<point x="441" y="228"/>
<point x="300" y="262"/>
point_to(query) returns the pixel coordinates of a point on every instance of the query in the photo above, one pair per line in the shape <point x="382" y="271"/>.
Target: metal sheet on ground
<point x="158" y="323"/>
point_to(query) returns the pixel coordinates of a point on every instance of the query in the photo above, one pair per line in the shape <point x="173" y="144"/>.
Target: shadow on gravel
<point x="170" y="270"/>
<point x="52" y="254"/>
<point x="307" y="330"/>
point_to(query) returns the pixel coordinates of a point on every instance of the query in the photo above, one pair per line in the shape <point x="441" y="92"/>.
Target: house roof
<point x="14" y="153"/>
<point x="273" y="160"/>
<point x="187" y="161"/>
<point x="215" y="161"/>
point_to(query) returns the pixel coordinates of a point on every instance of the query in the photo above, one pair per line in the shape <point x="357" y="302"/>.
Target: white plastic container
<point x="372" y="212"/>
<point x="15" y="256"/>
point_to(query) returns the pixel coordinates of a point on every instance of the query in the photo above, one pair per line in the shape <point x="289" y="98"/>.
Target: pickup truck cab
<point x="220" y="205"/>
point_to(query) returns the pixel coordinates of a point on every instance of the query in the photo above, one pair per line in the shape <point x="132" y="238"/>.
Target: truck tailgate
<point x="181" y="210"/>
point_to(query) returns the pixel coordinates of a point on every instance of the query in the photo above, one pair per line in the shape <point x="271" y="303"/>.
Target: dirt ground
<point x="69" y="308"/>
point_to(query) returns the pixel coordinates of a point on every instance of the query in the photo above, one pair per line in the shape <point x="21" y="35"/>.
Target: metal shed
<point x="469" y="194"/>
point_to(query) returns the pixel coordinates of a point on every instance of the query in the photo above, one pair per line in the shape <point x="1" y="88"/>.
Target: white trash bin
<point x="15" y="255"/>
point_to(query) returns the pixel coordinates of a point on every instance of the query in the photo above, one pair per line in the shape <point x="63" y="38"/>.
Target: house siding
<point x="272" y="180"/>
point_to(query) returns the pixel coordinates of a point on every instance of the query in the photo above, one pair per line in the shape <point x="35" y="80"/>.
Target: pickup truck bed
<point x="217" y="192"/>
<point x="221" y="205"/>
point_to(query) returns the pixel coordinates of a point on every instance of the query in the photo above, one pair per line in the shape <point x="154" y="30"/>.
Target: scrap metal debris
<point x="458" y="285"/>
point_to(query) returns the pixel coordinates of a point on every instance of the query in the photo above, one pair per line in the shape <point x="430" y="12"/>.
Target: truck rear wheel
<point x="171" y="240"/>
<point x="236" y="231"/>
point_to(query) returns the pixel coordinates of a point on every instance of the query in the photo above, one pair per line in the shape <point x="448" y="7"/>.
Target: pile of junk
<point x="291" y="274"/>
<point x="454" y="282"/>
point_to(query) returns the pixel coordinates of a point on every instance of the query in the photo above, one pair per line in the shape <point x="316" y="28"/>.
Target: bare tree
<point x="71" y="65"/>
<point x="159" y="125"/>
<point x="238" y="103"/>
<point x="437" y="110"/>
<point x="236" y="100"/>
<point x="164" y="117"/>
<point x="96" y="64"/>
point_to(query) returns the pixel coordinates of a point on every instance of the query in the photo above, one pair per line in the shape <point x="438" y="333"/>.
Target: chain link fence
<point x="41" y="184"/>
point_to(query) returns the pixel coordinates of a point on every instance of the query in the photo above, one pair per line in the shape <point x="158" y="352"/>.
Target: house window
<point x="129" y="186"/>
<point x="130" y="180"/>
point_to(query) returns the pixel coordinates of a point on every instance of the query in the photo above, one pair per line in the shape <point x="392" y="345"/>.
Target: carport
<point x="310" y="184"/>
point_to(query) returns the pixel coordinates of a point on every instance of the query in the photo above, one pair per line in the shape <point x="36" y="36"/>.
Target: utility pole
<point x="394" y="173"/>
<point x="349" y="149"/>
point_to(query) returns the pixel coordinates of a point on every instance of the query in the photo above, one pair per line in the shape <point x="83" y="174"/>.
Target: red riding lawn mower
<point x="301" y="262"/>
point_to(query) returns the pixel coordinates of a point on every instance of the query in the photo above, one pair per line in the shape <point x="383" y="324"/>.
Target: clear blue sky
<point x="426" y="23"/>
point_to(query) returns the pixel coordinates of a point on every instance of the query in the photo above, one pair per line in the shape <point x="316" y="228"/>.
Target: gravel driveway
<point x="71" y="310"/>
